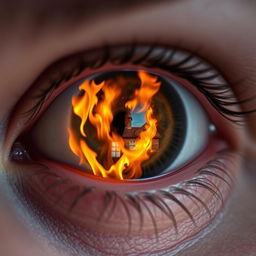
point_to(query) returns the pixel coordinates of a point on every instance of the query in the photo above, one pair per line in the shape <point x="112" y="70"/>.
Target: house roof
<point x="133" y="133"/>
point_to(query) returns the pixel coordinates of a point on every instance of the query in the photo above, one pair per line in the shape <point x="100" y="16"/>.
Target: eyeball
<point x="198" y="127"/>
<point x="180" y="123"/>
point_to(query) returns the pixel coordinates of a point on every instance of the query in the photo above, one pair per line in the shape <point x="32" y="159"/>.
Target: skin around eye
<point x="228" y="41"/>
<point x="172" y="208"/>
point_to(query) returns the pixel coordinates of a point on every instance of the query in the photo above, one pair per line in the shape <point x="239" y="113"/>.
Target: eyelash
<point x="212" y="91"/>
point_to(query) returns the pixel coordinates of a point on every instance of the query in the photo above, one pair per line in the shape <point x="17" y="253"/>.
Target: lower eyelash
<point x="141" y="200"/>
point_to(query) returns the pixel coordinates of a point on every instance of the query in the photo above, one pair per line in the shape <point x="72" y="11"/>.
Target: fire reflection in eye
<point x="102" y="132"/>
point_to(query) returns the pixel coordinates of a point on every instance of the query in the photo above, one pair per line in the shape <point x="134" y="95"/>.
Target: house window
<point x="131" y="144"/>
<point x="115" y="151"/>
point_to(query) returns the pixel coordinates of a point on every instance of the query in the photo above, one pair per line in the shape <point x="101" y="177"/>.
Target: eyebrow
<point x="69" y="11"/>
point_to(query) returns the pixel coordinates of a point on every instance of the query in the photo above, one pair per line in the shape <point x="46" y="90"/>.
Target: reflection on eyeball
<point x="182" y="125"/>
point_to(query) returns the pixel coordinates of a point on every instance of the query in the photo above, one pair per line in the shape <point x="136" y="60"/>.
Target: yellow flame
<point x="100" y="114"/>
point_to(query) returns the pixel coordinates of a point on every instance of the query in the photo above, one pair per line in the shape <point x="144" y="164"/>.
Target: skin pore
<point x="221" y="32"/>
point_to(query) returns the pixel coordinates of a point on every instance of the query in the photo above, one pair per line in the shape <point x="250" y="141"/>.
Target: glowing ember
<point x="123" y="162"/>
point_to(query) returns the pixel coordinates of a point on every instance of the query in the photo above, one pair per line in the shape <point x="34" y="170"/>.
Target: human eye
<point x="167" y="200"/>
<point x="189" y="195"/>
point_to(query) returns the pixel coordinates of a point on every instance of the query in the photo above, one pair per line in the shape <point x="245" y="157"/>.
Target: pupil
<point x="119" y="122"/>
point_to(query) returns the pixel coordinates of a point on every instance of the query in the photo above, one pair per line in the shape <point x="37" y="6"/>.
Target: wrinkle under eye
<point x="171" y="208"/>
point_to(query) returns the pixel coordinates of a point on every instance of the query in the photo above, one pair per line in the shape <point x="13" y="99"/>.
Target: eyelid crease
<point x="49" y="13"/>
<point x="219" y="95"/>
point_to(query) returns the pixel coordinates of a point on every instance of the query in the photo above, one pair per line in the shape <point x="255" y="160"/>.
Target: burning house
<point x="130" y="134"/>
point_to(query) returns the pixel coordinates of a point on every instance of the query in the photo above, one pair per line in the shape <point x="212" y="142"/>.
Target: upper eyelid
<point x="78" y="41"/>
<point x="219" y="94"/>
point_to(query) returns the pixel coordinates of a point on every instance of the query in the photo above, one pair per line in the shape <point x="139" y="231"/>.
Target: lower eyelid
<point x="61" y="194"/>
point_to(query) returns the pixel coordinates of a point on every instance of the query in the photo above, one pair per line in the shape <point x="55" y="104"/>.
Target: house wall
<point x="155" y="145"/>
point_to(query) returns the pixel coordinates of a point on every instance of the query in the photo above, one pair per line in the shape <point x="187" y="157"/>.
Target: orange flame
<point x="100" y="115"/>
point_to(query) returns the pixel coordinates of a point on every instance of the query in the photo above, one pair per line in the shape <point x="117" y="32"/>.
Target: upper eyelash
<point x="212" y="91"/>
<point x="136" y="200"/>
